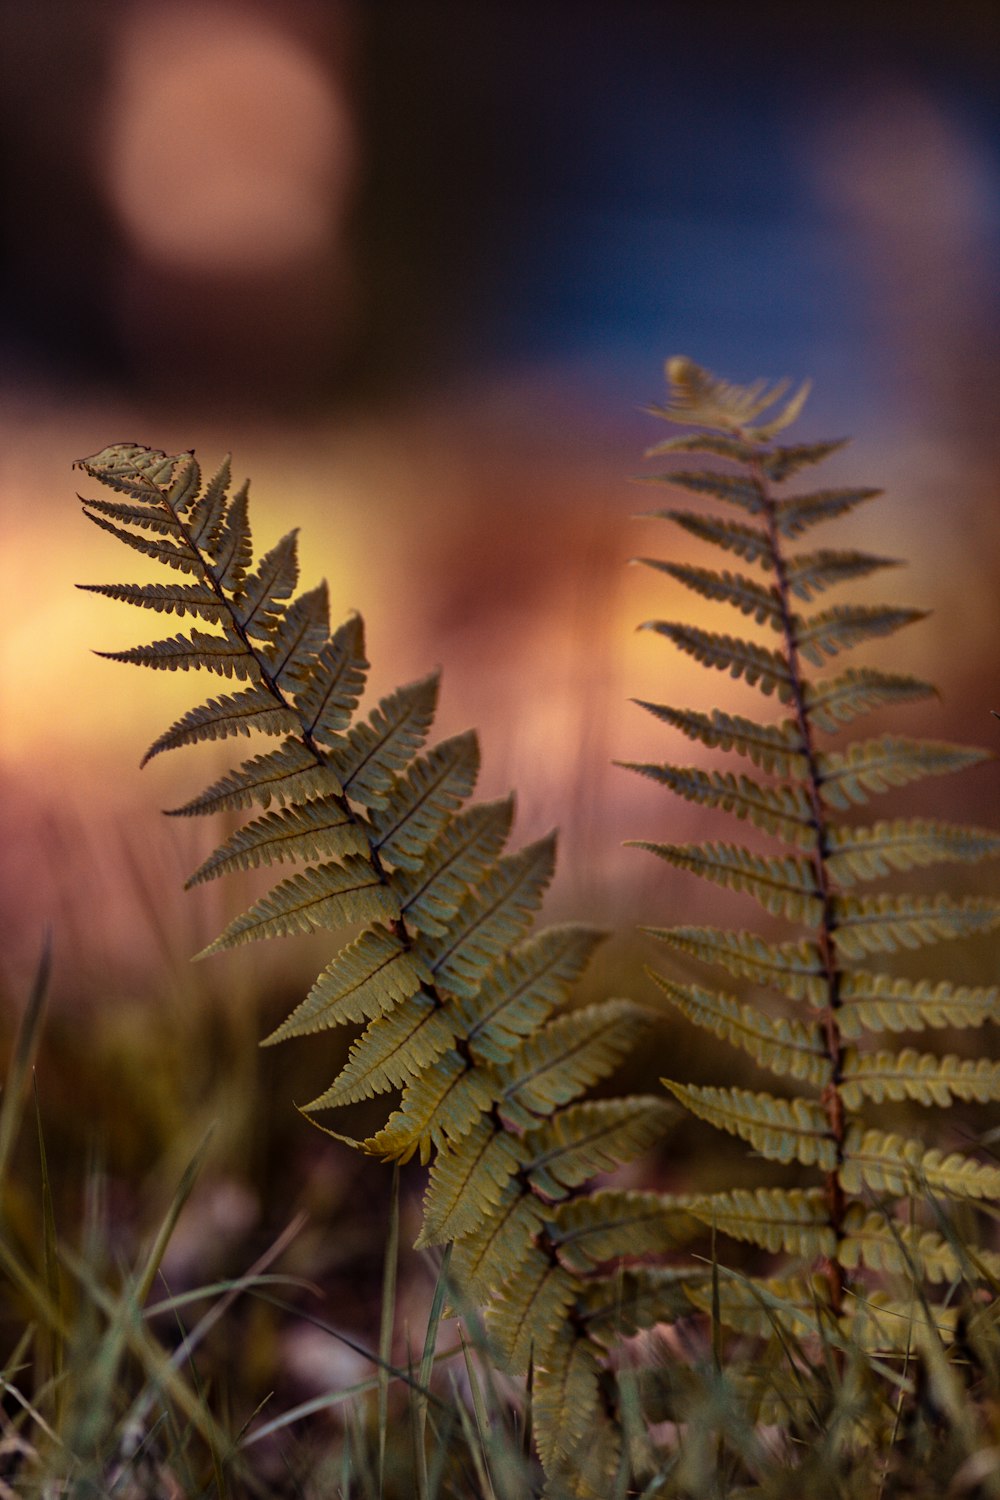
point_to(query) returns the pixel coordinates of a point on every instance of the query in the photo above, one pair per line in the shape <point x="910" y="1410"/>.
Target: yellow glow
<point x="229" y="147"/>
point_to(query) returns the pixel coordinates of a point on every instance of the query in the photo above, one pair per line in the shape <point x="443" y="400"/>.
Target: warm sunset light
<point x="228" y="147"/>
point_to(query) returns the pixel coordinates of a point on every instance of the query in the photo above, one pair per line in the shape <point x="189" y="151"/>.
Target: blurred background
<point x="418" y="265"/>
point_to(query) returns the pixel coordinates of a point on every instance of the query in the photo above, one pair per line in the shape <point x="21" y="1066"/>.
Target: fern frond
<point x="782" y="1046"/>
<point x="298" y="637"/>
<point x="903" y="1166"/>
<point x="773" y="747"/>
<point x="320" y="828"/>
<point x="257" y="605"/>
<point x="224" y="654"/>
<point x="482" y="1260"/>
<point x="785" y="886"/>
<point x="368" y="978"/>
<point x="797" y="969"/>
<point x="782" y="810"/>
<point x="716" y="444"/>
<point x="835" y="701"/>
<point x="254" y="710"/>
<point x="885" y="1002"/>
<point x="795" y="1222"/>
<point x="761" y="1306"/>
<point x="614" y="1225"/>
<point x="282" y="775"/>
<point x="521" y="991"/>
<point x="881" y="1244"/>
<point x="589" y="1138"/>
<point x="392" y="1049"/>
<point x="781" y="463"/>
<point x="468" y="1184"/>
<point x="731" y="488"/>
<point x="810" y="573"/>
<point x="846" y="625"/>
<point x="781" y="1129"/>
<point x="796" y="514"/>
<point x="331" y="692"/>
<point x="232" y="556"/>
<point x="875" y="850"/>
<point x="165" y="598"/>
<point x="639" y="1296"/>
<point x="437" y="1109"/>
<point x="742" y="593"/>
<point x="145" y="516"/>
<point x="885" y="924"/>
<point x="703" y="400"/>
<point x="424" y="799"/>
<point x="176" y="555"/>
<point x="877" y="765"/>
<point x="131" y="469"/>
<point x="566" y="1405"/>
<point x="528" y="1316"/>
<point x="375" y="752"/>
<point x="756" y="664"/>
<point x="491" y="919"/>
<point x="430" y="896"/>
<point x="748" y="542"/>
<point x="920" y="1076"/>
<point x="327" y="895"/>
<point x="563" y="1058"/>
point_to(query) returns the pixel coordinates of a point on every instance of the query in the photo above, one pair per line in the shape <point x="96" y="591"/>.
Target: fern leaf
<point x="890" y="761"/>
<point x="207" y="512"/>
<point x="589" y="1138"/>
<point x="437" y="1109"/>
<point x="875" y="850"/>
<point x="780" y="1129"/>
<point x="327" y="895"/>
<point x="149" y="519"/>
<point x="810" y="573"/>
<point x="782" y="463"/>
<point x="565" y="1057"/>
<point x="470" y="1183"/>
<point x="299" y="634"/>
<point x="773" y="747"/>
<point x="758" y="1306"/>
<point x="232" y="555"/>
<point x="796" y="1221"/>
<point x="611" y="1225"/>
<point x="636" y="1298"/>
<point x="846" y="625"/>
<point x="368" y="978"/>
<point x="881" y="1244"/>
<point x="258" y="602"/>
<point x="490" y="919"/>
<point x="423" y="801"/>
<point x="252" y="711"/>
<point x="716" y="444"/>
<point x="837" y="700"/>
<point x="175" y="554"/>
<point x="785" y="886"/>
<point x="521" y="991"/>
<point x="165" y="598"/>
<point x="374" y="752"/>
<point x="902" y="1166"/>
<point x="796" y="969"/>
<point x="748" y="542"/>
<point x="332" y="689"/>
<point x="796" y="514"/>
<point x="566" y="1405"/>
<point x="781" y="810"/>
<point x="734" y="489"/>
<point x="530" y="1312"/>
<point x="703" y="400"/>
<point x="783" y="1046"/>
<point x="920" y="1076"/>
<point x="321" y="828"/>
<point x="884" y="1002"/>
<point x="744" y="594"/>
<point x="430" y="896"/>
<point x="282" y="775"/>
<point x="391" y="1050"/>
<point x="495" y="1247"/>
<point x="884" y="924"/>
<point x="739" y="658"/>
<point x="226" y="655"/>
<point x="131" y="469"/>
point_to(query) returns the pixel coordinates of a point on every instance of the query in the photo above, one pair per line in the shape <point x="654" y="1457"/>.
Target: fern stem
<point x="831" y="1098"/>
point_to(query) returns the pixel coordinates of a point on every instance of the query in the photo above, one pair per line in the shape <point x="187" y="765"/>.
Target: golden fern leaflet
<point x="458" y="998"/>
<point x="834" y="1045"/>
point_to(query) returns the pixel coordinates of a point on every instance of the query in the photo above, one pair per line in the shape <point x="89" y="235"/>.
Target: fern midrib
<point x="831" y="1097"/>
